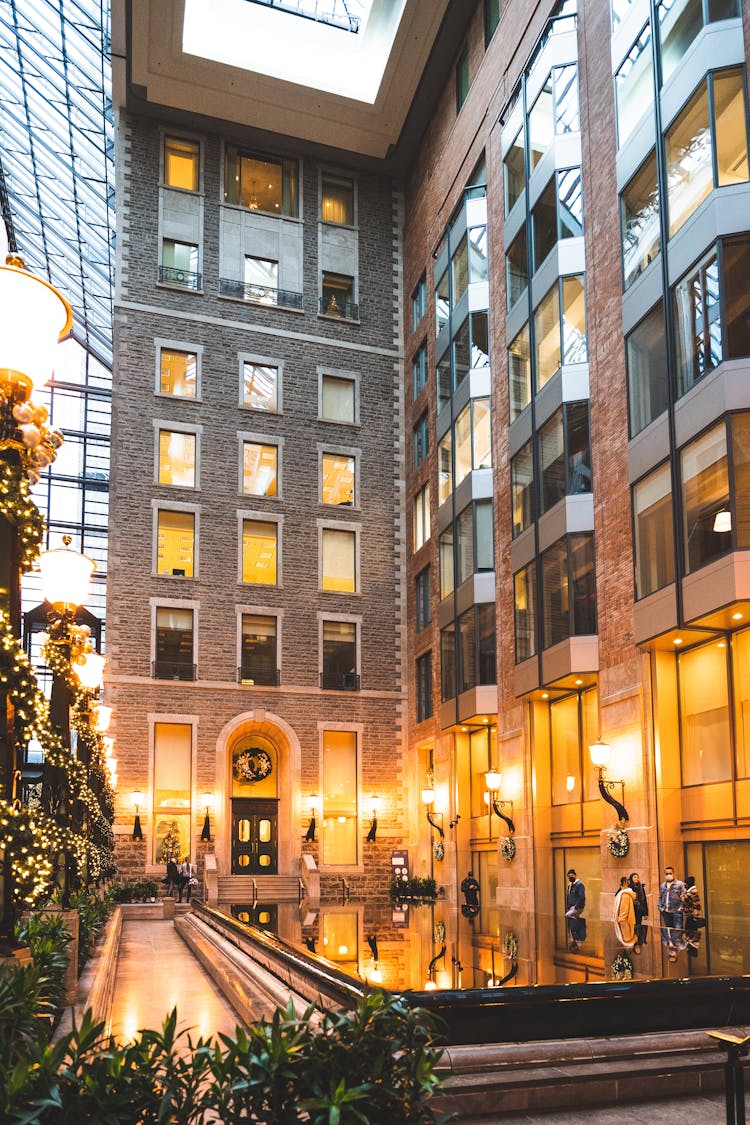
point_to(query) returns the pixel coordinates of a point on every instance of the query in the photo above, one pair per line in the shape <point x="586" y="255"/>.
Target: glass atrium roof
<point x="57" y="152"/>
<point x="346" y="14"/>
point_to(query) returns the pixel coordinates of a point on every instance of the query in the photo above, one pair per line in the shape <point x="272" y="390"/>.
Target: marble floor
<point x="156" y="972"/>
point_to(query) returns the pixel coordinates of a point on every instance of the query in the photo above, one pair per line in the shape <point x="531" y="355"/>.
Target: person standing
<point x="575" y="903"/>
<point x="694" y="920"/>
<point x="624" y="915"/>
<point x="173" y="876"/>
<point x="641" y="911"/>
<point x="187" y="879"/>
<point x="669" y="906"/>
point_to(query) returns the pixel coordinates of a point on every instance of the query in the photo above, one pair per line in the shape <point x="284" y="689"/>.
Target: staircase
<point x="238" y="889"/>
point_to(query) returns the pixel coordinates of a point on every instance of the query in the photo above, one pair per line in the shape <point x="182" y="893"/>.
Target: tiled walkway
<point x="697" y="1110"/>
<point x="156" y="972"/>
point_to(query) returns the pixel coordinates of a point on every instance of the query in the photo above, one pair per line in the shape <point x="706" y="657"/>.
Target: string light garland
<point x="17" y="506"/>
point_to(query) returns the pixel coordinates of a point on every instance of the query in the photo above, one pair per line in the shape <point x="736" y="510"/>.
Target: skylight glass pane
<point x="349" y="15"/>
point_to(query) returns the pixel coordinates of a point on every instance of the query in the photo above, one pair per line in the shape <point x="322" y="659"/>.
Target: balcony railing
<point x="184" y="278"/>
<point x="341" y="307"/>
<point x="173" y="670"/>
<point x="339" y="681"/>
<point x="259" y="677"/>
<point x="259" y="294"/>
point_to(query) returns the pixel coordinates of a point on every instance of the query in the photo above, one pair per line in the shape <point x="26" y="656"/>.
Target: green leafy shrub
<point x="371" y="1066"/>
<point x="141" y="890"/>
<point x="48" y="938"/>
<point x="93" y="913"/>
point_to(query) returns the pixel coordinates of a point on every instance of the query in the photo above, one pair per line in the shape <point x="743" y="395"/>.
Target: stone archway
<point x="266" y="725"/>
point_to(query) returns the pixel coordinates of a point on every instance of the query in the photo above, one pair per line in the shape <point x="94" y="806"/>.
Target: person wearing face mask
<point x="575" y="901"/>
<point x="670" y="907"/>
<point x="641" y="911"/>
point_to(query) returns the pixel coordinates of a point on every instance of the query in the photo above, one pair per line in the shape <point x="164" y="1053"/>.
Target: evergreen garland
<point x="17" y="506"/>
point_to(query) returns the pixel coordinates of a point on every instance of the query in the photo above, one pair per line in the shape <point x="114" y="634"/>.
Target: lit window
<point x="445" y="467"/>
<point x="177" y="458"/>
<point x="259" y="468"/>
<point x="705" y="492"/>
<point x="705" y="725"/>
<point x="339" y="560"/>
<point x="519" y="373"/>
<point x="172" y="787"/>
<point x="522" y="488"/>
<point x="560" y="339"/>
<point x="180" y="264"/>
<point x="574" y="725"/>
<point x="178" y="373"/>
<point x="514" y="167"/>
<point x="259" y="552"/>
<point x="260" y="386"/>
<point x="681" y="21"/>
<point x="447" y="563"/>
<point x="422" y="517"/>
<point x="174" y="644"/>
<point x="175" y="539"/>
<point x="340" y="830"/>
<point x="338" y="398"/>
<point x="337" y="200"/>
<point x="338" y="296"/>
<point x="260" y="183"/>
<point x="181" y="163"/>
<point x="639" y="210"/>
<point x="261" y="280"/>
<point x="337" y="486"/>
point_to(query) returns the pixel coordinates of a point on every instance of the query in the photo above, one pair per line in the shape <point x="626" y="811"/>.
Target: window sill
<point x="176" y="398"/>
<point x="173" y="577"/>
<point x="257" y="211"/>
<point x="338" y="319"/>
<point x="174" y="288"/>
<point x="259" y="304"/>
<point x="339" y="422"/>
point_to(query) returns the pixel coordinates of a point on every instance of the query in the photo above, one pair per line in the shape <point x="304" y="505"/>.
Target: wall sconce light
<point x="136" y="798"/>
<point x="430" y="984"/>
<point x="428" y="796"/>
<point x="723" y="520"/>
<point x="208" y="801"/>
<point x="372" y="834"/>
<point x="600" y="753"/>
<point x="374" y="973"/>
<point x="314" y="804"/>
<point x="493" y="781"/>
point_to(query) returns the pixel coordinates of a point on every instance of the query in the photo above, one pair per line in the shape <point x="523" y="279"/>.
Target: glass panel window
<point x="444" y="376"/>
<point x="486" y="643"/>
<point x="485" y="540"/>
<point x="646" y="358"/>
<point x="339" y="669"/>
<point x="258" y="659"/>
<point x="422" y="599"/>
<point x="337" y="199"/>
<point x="424" y="687"/>
<point x="570" y="203"/>
<point x="741" y="667"/>
<point x="180" y="263"/>
<point x="442" y="303"/>
<point x="338" y="295"/>
<point x="181" y="163"/>
<point x="177" y="459"/>
<point x="688" y="153"/>
<point x="467" y="639"/>
<point x="547" y="336"/>
<point x="418" y="302"/>
<point x="515" y="173"/>
<point x="338" y="479"/>
<point x="705" y="491"/>
<point x="697" y="317"/>
<point x="465" y="545"/>
<point x="463" y="444"/>
<point x="639" y="211"/>
<point x="339" y="560"/>
<point x="491" y="18"/>
<point x="338" y="399"/>
<point x="735" y="256"/>
<point x="565" y="741"/>
<point x="583" y="584"/>
<point x="447" y="577"/>
<point x="574" y="321"/>
<point x="480" y="339"/>
<point x="340" y="811"/>
<point x="522" y="488"/>
<point x="519" y="373"/>
<point x="461" y="355"/>
<point x="419" y="369"/>
<point x="480" y="433"/>
<point x="634" y="86"/>
<point x="555" y="594"/>
<point x="478" y="262"/>
<point x="421" y="517"/>
<point x="260" y="183"/>
<point x="706" y="737"/>
<point x="524" y="604"/>
<point x="541" y="124"/>
<point x="260" y="386"/>
<point x="460" y="270"/>
<point x="261" y="279"/>
<point x="730" y="126"/>
<point x="445" y="468"/>
<point x="740" y="431"/>
<point x="680" y="21"/>
<point x="654" y="532"/>
<point x="462" y="79"/>
<point x="568" y="590"/>
<point x="517" y="267"/>
<point x="259" y="552"/>
<point x="259" y="468"/>
<point x="174" y="644"/>
<point x="421" y="440"/>
<point x="178" y="373"/>
<point x="448" y="662"/>
<point x="175" y="543"/>
<point x="544" y="223"/>
<point x="552" y="460"/>
<point x="172" y="788"/>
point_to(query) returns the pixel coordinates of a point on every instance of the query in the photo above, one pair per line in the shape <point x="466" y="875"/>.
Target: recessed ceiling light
<point x="721" y="644"/>
<point x="736" y="617"/>
<point x="545" y="695"/>
<point x="578" y="683"/>
<point x="678" y="640"/>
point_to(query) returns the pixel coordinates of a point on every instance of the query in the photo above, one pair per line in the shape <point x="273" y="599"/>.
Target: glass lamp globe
<point x="600" y="752"/>
<point x="90" y="672"/>
<point x="136" y="798"/>
<point x="65" y="576"/>
<point x="313" y="802"/>
<point x="375" y="804"/>
<point x="428" y="794"/>
<point x="430" y="986"/>
<point x="103" y="718"/>
<point x="208" y="800"/>
<point x="493" y="780"/>
<point x="34" y="318"/>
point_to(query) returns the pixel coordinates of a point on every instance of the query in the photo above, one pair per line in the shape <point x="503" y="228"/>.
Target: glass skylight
<point x="346" y="14"/>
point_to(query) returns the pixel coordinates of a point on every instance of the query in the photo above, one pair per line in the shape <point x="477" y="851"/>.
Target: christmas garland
<point x="622" y="967"/>
<point x="438" y="850"/>
<point x="510" y="946"/>
<point x="508" y="848"/>
<point x="17" y="506"/>
<point x="618" y="841"/>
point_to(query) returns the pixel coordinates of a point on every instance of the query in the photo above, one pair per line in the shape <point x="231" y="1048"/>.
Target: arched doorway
<point x="255" y="806"/>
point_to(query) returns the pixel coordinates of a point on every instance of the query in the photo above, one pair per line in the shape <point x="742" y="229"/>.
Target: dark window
<point x="568" y="589"/>
<point x="565" y="455"/>
<point x="448" y="662"/>
<point x="424" y="687"/>
<point x="420" y="369"/>
<point x="421" y="440"/>
<point x="443" y="373"/>
<point x="423" y="603"/>
<point x="544" y="223"/>
<point x="480" y="339"/>
<point x="418" y="302"/>
<point x="522" y="488"/>
<point x="654" y="532"/>
<point x="517" y="265"/>
<point x="476" y="630"/>
<point x="174" y="644"/>
<point x="462" y="78"/>
<point x="491" y="18"/>
<point x="646" y="357"/>
<point x="339" y="656"/>
<point x="524" y="606"/>
<point x="461" y="355"/>
<point x="736" y="295"/>
<point x="338" y="296"/>
<point x="515" y="172"/>
<point x="259" y="663"/>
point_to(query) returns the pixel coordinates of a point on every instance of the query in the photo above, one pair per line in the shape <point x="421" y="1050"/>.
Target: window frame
<point x="170" y="719"/>
<point x="261" y="361"/>
<point x="257" y="516"/>
<point x="165" y="425"/>
<point x="324" y="372"/>
<point x="176" y="135"/>
<point x="423" y="598"/>
<point x="354" y="529"/>
<point x="163" y="505"/>
<point x="242" y="611"/>
<point x="419" y="302"/>
<point x="264" y="157"/>
<point x="162" y="344"/>
<point x="341" y="619"/>
<point x="245" y="437"/>
<point x="421" y="513"/>
<point x="329" y="173"/>
<point x="425" y="707"/>
<point x="340" y="451"/>
<point x="155" y="604"/>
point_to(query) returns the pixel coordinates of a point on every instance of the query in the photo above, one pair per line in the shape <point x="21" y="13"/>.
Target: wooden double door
<point x="255" y="839"/>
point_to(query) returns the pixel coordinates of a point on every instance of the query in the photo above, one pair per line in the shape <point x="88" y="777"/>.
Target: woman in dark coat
<point x="641" y="910"/>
